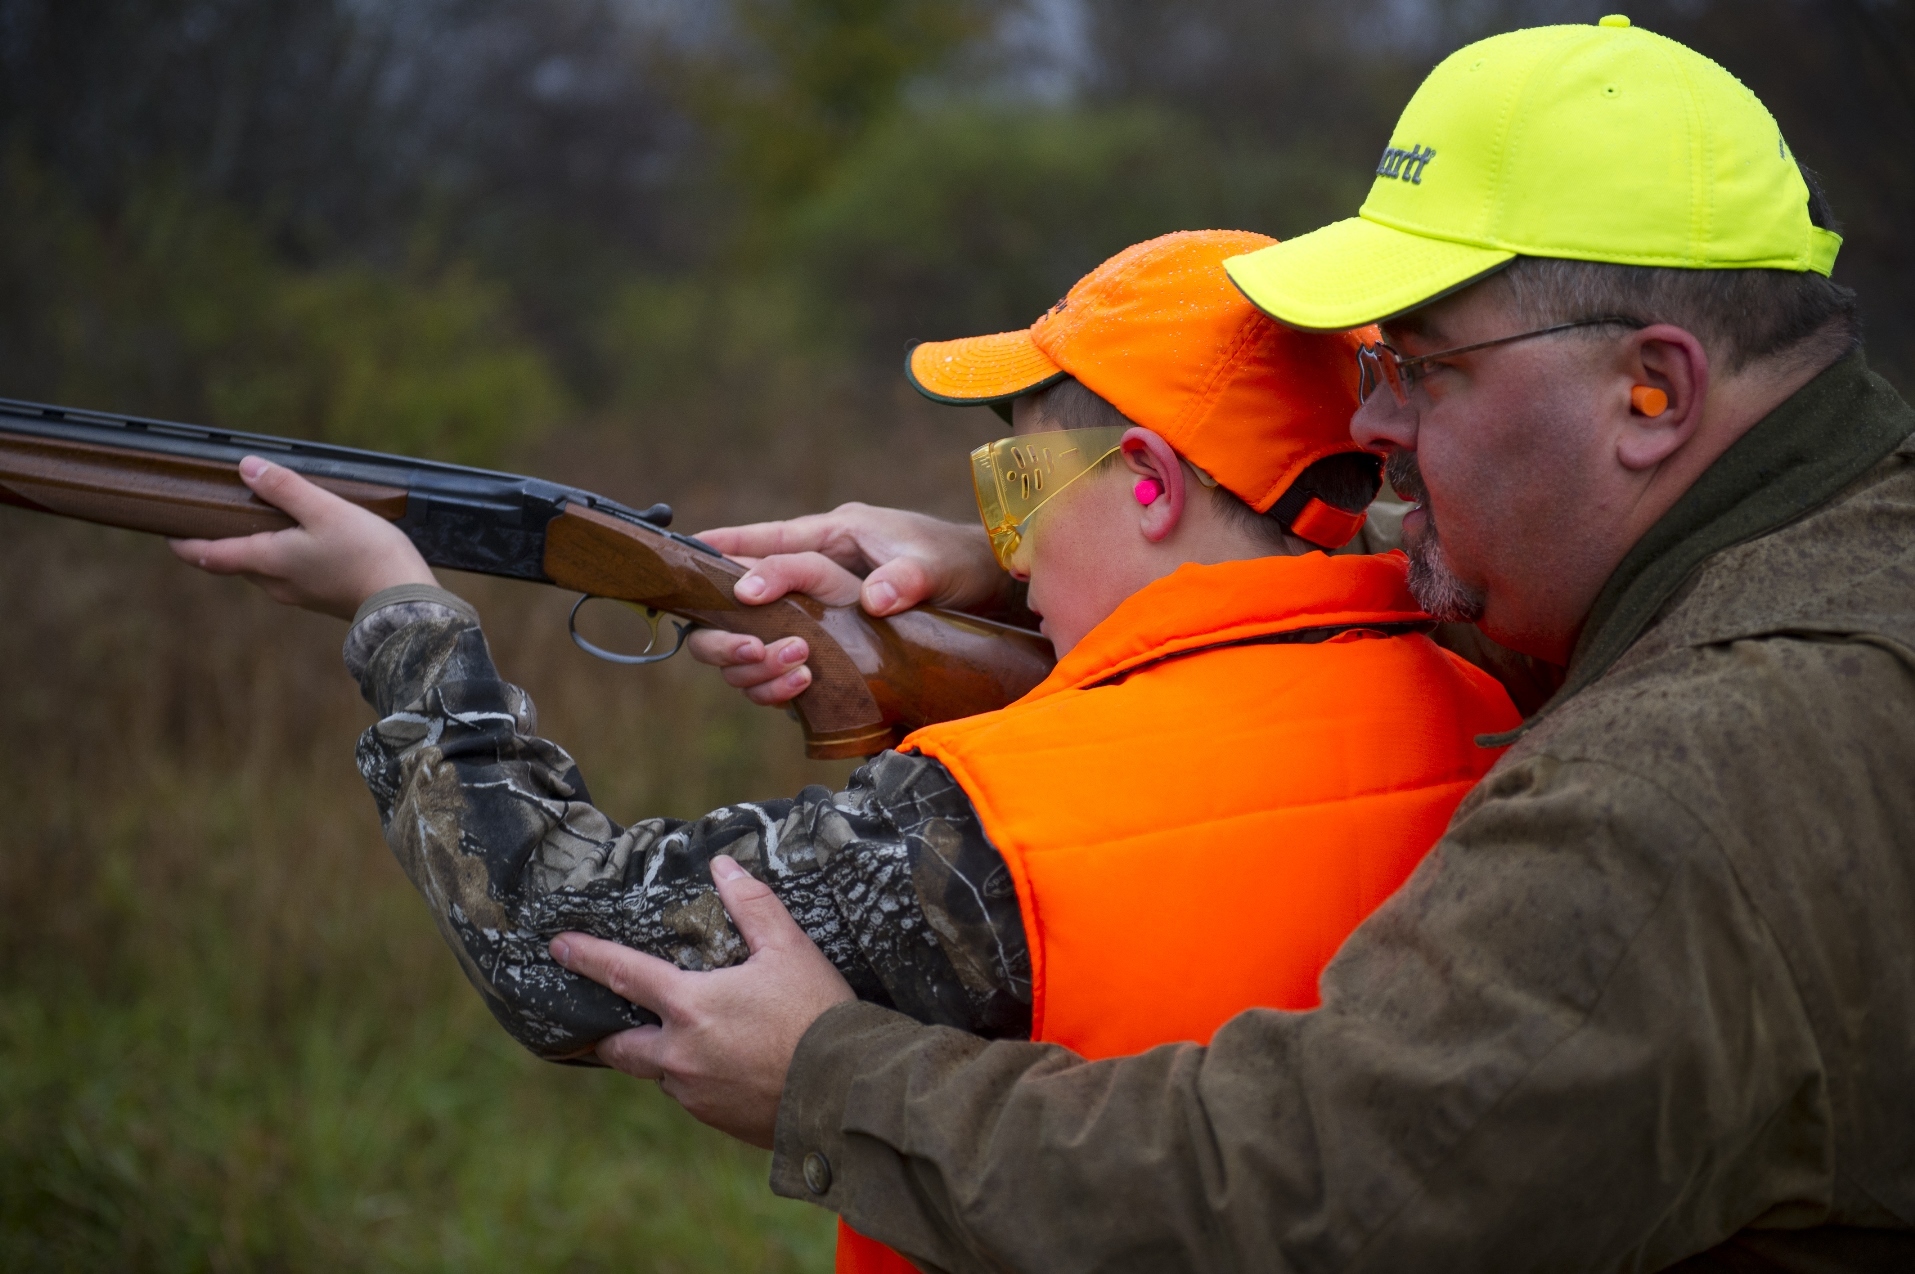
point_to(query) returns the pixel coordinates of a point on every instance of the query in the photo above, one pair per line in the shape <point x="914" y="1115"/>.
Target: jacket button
<point x="817" y="1173"/>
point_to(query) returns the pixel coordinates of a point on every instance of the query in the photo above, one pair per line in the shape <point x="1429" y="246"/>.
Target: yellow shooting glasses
<point x="1017" y="476"/>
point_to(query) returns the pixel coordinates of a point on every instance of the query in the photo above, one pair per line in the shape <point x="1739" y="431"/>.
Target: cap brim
<point x="979" y="369"/>
<point x="1355" y="272"/>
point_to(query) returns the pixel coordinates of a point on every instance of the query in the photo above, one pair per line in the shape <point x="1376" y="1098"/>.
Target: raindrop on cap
<point x="1614" y="20"/>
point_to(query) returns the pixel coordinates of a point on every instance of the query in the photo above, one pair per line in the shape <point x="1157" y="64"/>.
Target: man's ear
<point x="1663" y="366"/>
<point x="1151" y="459"/>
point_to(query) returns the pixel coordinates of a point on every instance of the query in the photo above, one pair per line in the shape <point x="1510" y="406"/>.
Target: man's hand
<point x="337" y="557"/>
<point x="728" y="1035"/>
<point x="888" y="560"/>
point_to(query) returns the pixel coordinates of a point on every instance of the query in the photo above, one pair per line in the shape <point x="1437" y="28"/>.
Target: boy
<point x="1230" y="704"/>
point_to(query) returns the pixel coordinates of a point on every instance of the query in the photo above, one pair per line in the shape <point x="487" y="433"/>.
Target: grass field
<point x="230" y="1038"/>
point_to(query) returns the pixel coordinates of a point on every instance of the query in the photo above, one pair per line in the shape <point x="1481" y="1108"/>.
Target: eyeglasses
<point x="1016" y="476"/>
<point x="1378" y="364"/>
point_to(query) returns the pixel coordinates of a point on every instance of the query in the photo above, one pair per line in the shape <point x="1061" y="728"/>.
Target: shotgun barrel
<point x="874" y="680"/>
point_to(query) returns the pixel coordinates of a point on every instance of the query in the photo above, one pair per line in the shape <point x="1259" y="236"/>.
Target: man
<point x="1649" y="1001"/>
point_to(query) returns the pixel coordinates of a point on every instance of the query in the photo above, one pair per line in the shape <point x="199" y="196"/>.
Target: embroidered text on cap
<point x="1406" y="165"/>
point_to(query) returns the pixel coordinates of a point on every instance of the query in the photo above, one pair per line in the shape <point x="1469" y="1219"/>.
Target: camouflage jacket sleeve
<point x="893" y="877"/>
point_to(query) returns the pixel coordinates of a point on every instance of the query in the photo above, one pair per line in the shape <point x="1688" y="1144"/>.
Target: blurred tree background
<point x="667" y="249"/>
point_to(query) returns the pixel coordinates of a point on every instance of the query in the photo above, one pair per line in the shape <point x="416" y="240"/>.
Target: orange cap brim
<point x="980" y="369"/>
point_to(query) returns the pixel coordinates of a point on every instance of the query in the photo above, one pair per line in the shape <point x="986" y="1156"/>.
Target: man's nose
<point x="1381" y="423"/>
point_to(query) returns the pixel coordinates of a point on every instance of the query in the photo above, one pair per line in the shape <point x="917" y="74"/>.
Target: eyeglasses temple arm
<point x="1420" y="359"/>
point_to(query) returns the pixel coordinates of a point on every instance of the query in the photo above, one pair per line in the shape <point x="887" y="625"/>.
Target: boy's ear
<point x="1150" y="458"/>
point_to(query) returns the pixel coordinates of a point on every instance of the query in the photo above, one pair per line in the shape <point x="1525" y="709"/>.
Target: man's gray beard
<point x="1434" y="585"/>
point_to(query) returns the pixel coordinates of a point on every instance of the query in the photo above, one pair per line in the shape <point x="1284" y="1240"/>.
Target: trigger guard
<point x="612" y="656"/>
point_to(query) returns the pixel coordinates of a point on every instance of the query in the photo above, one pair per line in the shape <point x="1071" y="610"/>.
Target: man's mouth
<point x="1407" y="481"/>
<point x="1405" y="478"/>
<point x="1433" y="582"/>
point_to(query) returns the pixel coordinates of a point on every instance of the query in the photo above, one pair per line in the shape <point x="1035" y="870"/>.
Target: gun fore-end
<point x="873" y="681"/>
<point x="169" y="495"/>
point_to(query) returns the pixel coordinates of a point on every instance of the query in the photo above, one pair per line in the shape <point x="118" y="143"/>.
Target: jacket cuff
<point x="809" y="1147"/>
<point x="400" y="593"/>
<point x="391" y="609"/>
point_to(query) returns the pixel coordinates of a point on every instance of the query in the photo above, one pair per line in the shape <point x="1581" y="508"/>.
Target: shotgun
<point x="873" y="680"/>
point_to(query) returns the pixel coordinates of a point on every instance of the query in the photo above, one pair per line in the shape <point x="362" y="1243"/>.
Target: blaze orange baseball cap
<point x="1161" y="333"/>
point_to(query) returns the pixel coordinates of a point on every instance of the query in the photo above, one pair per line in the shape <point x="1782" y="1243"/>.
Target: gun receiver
<point x="874" y="680"/>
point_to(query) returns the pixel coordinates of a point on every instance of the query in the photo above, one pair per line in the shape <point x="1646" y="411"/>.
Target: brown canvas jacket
<point x="1651" y="1000"/>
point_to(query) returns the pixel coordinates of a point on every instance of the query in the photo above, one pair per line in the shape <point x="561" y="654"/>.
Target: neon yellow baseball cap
<point x="1595" y="143"/>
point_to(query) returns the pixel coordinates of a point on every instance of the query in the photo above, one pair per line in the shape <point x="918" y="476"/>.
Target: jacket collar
<point x="1197" y="606"/>
<point x="1794" y="460"/>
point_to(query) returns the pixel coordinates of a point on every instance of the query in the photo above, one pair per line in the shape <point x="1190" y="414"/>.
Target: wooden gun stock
<point x="874" y="680"/>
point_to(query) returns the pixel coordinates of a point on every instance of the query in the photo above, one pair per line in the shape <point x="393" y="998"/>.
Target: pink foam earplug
<point x="1147" y="490"/>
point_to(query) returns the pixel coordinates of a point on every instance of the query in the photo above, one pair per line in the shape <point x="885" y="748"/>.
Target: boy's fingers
<point x="900" y="584"/>
<point x="812" y="533"/>
<point x="781" y="690"/>
<point x="810" y="573"/>
<point x="761" y="919"/>
<point x="775" y="661"/>
<point x="281" y="487"/>
<point x="724" y="650"/>
<point x="755" y="676"/>
<point x="240" y="555"/>
<point x="732" y="541"/>
<point x="770" y="676"/>
<point x="631" y="975"/>
<point x="192" y="552"/>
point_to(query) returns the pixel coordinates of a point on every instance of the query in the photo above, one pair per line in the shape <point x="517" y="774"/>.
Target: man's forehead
<point x="1418" y="327"/>
<point x="1447" y="321"/>
<point x="1414" y="324"/>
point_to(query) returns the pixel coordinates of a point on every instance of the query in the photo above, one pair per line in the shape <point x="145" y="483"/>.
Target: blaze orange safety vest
<point x="1211" y="791"/>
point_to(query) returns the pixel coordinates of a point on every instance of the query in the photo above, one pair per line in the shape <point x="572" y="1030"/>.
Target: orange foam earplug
<point x="1648" y="400"/>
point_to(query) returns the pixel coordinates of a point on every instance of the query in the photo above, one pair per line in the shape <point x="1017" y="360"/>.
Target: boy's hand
<point x="337" y="557"/>
<point x="888" y="560"/>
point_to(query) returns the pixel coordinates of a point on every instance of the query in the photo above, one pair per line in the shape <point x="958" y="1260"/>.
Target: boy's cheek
<point x="1034" y="594"/>
<point x="1059" y="591"/>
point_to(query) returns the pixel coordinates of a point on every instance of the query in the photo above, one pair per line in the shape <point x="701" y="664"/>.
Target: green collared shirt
<point x="1651" y="998"/>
